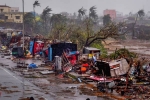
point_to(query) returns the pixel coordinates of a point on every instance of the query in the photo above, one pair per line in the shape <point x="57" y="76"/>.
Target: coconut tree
<point x="92" y="13"/>
<point x="106" y="19"/>
<point x="45" y="15"/>
<point x="35" y="4"/>
<point x="140" y="13"/>
<point x="81" y="13"/>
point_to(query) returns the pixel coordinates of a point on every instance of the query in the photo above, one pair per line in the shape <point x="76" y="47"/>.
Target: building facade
<point x="10" y="14"/>
<point x="4" y="8"/>
<point x="14" y="9"/>
<point x="112" y="13"/>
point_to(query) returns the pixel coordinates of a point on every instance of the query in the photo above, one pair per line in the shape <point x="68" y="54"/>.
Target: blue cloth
<point x="73" y="53"/>
<point x="32" y="65"/>
<point x="94" y="59"/>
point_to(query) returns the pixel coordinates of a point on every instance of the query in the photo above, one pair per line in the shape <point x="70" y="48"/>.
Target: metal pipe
<point x="23" y="22"/>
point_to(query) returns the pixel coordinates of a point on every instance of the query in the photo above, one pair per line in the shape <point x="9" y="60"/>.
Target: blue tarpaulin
<point x="32" y="65"/>
<point x="50" y="53"/>
<point x="31" y="47"/>
<point x="73" y="53"/>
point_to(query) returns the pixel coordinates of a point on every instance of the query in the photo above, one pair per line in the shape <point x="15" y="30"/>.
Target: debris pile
<point x="122" y="76"/>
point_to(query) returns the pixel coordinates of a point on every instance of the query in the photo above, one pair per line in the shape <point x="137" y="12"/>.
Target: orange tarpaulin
<point x="83" y="69"/>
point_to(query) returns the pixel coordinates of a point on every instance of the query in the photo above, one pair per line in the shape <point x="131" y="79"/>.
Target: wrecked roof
<point x="91" y="48"/>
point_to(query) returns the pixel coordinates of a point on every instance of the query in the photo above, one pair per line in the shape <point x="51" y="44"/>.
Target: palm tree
<point x="58" y="24"/>
<point x="140" y="13"/>
<point x="46" y="11"/>
<point x="45" y="15"/>
<point x="36" y="3"/>
<point x="106" y="19"/>
<point x="81" y="12"/>
<point x="92" y="13"/>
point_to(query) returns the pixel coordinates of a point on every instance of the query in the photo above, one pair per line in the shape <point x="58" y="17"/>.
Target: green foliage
<point x="36" y="3"/>
<point x="141" y="13"/>
<point x="58" y="19"/>
<point x="122" y="53"/>
<point x="29" y="19"/>
<point x="100" y="46"/>
<point x="81" y="12"/>
<point x="45" y="18"/>
<point x="93" y="15"/>
<point x="106" y="19"/>
<point x="78" y="36"/>
<point x="67" y="29"/>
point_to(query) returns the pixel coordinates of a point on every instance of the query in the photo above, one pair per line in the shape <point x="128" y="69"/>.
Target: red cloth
<point x="38" y="47"/>
<point x="46" y="52"/>
<point x="72" y="59"/>
<point x="85" y="65"/>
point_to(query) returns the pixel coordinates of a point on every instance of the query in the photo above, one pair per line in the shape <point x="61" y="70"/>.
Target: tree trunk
<point x="34" y="20"/>
<point x="45" y="24"/>
<point x="34" y="13"/>
<point x="133" y="32"/>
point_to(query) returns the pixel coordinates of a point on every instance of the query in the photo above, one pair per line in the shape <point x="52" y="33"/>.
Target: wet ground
<point x="16" y="88"/>
<point x="141" y="47"/>
<point x="41" y="87"/>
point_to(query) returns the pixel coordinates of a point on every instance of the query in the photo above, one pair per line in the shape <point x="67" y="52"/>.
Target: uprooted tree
<point x="84" y="35"/>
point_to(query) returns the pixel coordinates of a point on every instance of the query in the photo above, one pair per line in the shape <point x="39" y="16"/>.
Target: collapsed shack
<point x="115" y="76"/>
<point x="58" y="49"/>
<point x="119" y="67"/>
<point x="10" y="36"/>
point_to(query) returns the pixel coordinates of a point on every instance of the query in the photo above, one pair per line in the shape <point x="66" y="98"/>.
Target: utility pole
<point x="23" y="22"/>
<point x="23" y="38"/>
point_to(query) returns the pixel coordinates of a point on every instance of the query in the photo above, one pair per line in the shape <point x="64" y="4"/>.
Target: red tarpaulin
<point x="72" y="59"/>
<point x="38" y="46"/>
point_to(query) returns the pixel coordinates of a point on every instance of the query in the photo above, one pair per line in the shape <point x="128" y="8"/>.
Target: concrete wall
<point x="4" y="9"/>
<point x="14" y="9"/>
<point x="14" y="17"/>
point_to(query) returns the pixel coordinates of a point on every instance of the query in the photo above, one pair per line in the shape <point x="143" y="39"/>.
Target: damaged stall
<point x="59" y="48"/>
<point x="90" y="51"/>
<point x="64" y="54"/>
<point x="36" y="47"/>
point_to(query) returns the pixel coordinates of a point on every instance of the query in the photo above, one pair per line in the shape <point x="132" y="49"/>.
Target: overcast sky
<point x="72" y="6"/>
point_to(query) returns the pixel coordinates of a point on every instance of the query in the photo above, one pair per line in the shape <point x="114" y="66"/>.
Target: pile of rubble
<point x="118" y="79"/>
